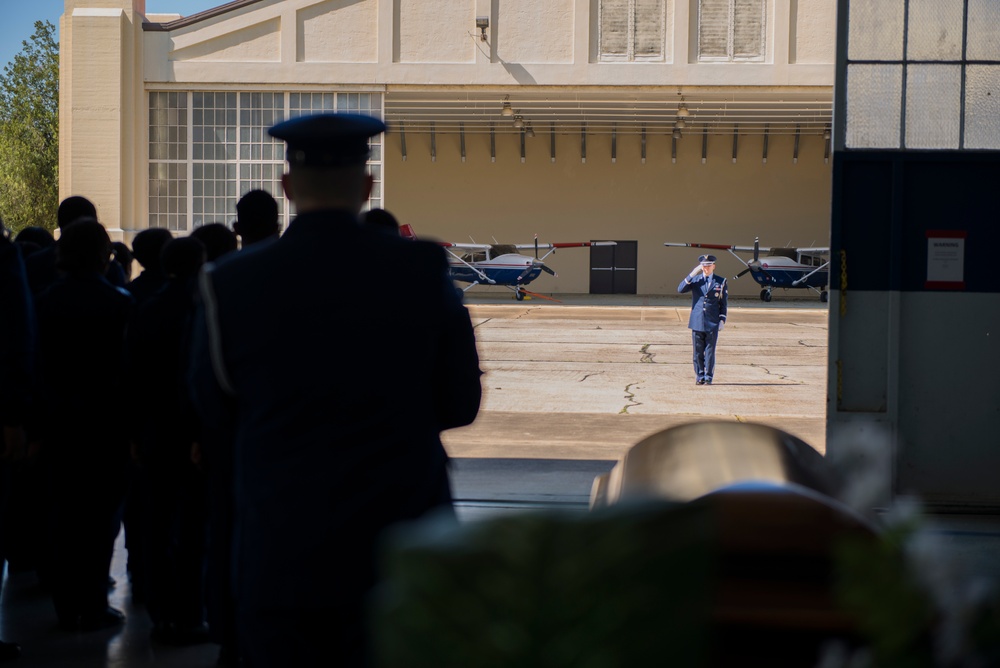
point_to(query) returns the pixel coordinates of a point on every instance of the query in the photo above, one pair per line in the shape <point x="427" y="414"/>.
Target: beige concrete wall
<point x="435" y="42"/>
<point x="337" y="32"/>
<point x="535" y="32"/>
<point x="567" y="200"/>
<point x="814" y="28"/>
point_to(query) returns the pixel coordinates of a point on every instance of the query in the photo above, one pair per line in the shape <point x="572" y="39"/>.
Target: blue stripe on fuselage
<point x="502" y="275"/>
<point x="783" y="278"/>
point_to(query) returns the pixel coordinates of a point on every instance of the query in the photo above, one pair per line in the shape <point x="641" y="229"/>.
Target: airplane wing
<point x="568" y="244"/>
<point x="745" y="249"/>
<point x="465" y="247"/>
<point x="814" y="251"/>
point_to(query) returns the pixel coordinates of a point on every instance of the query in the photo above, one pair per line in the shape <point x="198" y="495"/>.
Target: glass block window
<point x="168" y="153"/>
<point x="214" y="126"/>
<point x="208" y="148"/>
<point x="632" y="30"/>
<point x="922" y="74"/>
<point x="732" y="30"/>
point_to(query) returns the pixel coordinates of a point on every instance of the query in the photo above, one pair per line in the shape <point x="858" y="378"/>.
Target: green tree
<point x="29" y="133"/>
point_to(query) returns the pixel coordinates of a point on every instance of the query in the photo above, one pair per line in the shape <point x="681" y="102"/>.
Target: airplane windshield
<point x="502" y="249"/>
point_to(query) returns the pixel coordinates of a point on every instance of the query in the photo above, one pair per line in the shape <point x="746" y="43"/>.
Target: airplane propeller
<point x="754" y="264"/>
<point x="535" y="264"/>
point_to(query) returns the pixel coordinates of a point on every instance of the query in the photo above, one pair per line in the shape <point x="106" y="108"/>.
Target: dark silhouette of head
<point x="39" y="236"/>
<point x="256" y="217"/>
<point x="218" y="240"/>
<point x="147" y="245"/>
<point x="326" y="156"/>
<point x="123" y="256"/>
<point x="381" y="220"/>
<point x="73" y="208"/>
<point x="83" y="248"/>
<point x="182" y="258"/>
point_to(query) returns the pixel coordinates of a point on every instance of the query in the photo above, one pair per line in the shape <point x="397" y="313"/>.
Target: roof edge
<point x="196" y="18"/>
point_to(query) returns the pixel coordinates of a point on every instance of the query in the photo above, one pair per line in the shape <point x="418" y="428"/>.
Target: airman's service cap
<point x="706" y="259"/>
<point x="327" y="140"/>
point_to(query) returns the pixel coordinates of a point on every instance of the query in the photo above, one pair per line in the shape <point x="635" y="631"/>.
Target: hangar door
<point x="612" y="268"/>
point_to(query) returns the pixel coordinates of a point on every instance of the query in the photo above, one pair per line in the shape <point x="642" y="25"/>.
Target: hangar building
<point x="640" y="121"/>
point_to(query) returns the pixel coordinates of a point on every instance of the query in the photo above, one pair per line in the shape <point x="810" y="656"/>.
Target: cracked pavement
<point x="586" y="381"/>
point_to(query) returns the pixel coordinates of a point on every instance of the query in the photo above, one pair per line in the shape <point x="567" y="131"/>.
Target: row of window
<point x="207" y="149"/>
<point x="728" y="30"/>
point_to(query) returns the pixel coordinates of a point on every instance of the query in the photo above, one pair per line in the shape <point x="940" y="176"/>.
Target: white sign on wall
<point x="945" y="259"/>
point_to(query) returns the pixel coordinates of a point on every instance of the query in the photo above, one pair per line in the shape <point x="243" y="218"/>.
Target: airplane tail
<point x="406" y="231"/>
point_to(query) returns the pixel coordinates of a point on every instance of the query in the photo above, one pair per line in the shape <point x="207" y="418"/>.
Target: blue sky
<point x="19" y="18"/>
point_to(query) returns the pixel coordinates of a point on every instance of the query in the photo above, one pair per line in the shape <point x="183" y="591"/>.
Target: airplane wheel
<point x="824" y="296"/>
<point x="518" y="295"/>
<point x="765" y="295"/>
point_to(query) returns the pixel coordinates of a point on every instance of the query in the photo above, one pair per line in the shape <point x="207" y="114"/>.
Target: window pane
<point x="614" y="27"/>
<point x="933" y="106"/>
<point x="935" y="30"/>
<point x="984" y="30"/>
<point x="875" y="30"/>
<point x="713" y="29"/>
<point x="982" y="107"/>
<point x="874" y="103"/>
<point x="649" y="28"/>
<point x="748" y="29"/>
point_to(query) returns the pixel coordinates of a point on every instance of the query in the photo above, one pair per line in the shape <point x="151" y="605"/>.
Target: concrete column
<point x="102" y="115"/>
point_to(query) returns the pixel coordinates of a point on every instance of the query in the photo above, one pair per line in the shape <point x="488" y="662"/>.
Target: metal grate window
<point x="208" y="148"/>
<point x="732" y="30"/>
<point x="922" y="74"/>
<point x="632" y="30"/>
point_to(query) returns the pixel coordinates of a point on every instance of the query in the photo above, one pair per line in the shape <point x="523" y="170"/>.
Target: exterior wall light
<point x="506" y="110"/>
<point x="483" y="23"/>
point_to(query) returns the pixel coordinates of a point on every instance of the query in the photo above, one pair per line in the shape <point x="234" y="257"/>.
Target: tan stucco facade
<point x="114" y="56"/>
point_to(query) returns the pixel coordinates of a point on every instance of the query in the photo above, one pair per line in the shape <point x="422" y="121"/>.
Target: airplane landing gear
<point x="824" y="296"/>
<point x="519" y="295"/>
<point x="765" y="295"/>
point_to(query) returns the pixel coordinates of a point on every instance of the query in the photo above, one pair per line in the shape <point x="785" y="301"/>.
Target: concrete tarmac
<point x="585" y="379"/>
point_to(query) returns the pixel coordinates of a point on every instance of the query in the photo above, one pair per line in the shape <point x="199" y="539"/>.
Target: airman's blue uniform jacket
<point x="335" y="356"/>
<point x="709" y="301"/>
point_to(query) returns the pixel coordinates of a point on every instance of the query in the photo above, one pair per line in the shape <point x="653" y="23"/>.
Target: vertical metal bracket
<point x="704" y="145"/>
<point x="493" y="143"/>
<point x="643" y="142"/>
<point x="795" y="149"/>
<point x="522" y="145"/>
<point x="552" y="141"/>
<point x="583" y="143"/>
<point x="614" y="144"/>
<point x="434" y="155"/>
<point x="461" y="139"/>
<point x="402" y="140"/>
<point x="736" y="140"/>
<point x="767" y="130"/>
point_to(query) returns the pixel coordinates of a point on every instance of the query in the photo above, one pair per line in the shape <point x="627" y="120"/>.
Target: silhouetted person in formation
<point x="218" y="239"/>
<point x="146" y="247"/>
<point x="382" y="220"/>
<point x="279" y="354"/>
<point x="256" y="218"/>
<point x="24" y="522"/>
<point x="175" y="520"/>
<point x="81" y="328"/>
<point x="41" y="266"/>
<point x="33" y="239"/>
<point x="17" y="354"/>
<point x="122" y="255"/>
